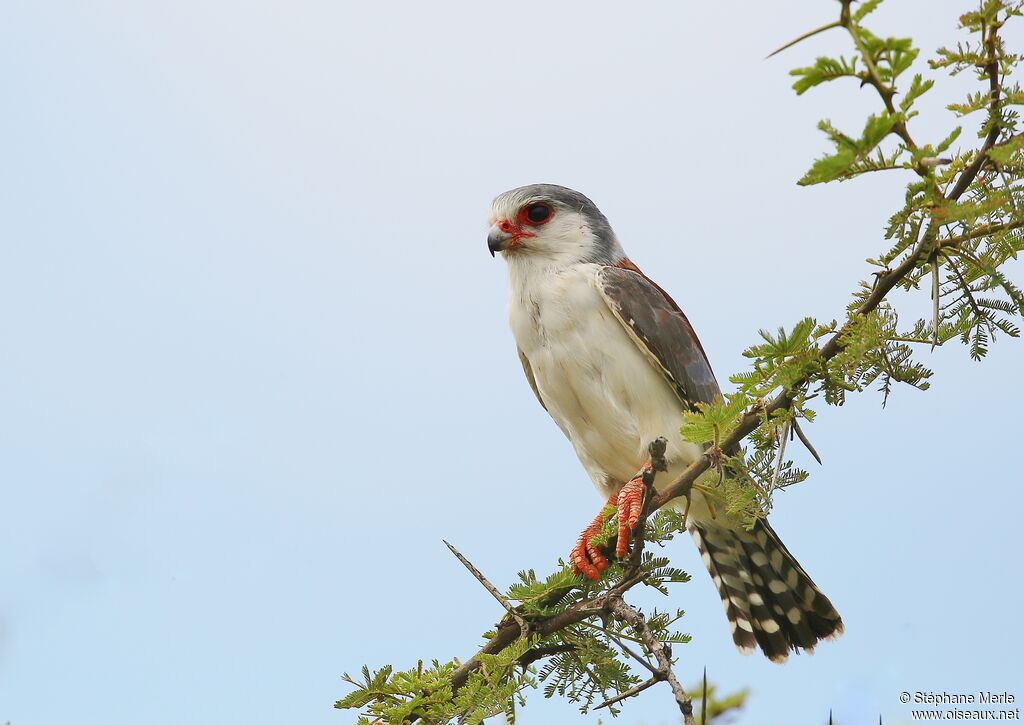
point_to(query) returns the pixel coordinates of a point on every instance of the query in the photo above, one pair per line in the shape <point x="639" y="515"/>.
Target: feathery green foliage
<point x="960" y="240"/>
<point x="584" y="663"/>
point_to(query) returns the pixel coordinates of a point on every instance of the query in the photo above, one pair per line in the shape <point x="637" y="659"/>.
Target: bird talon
<point x="587" y="559"/>
<point x="629" y="504"/>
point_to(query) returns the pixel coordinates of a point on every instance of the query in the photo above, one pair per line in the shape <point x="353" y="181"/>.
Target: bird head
<point x="552" y="225"/>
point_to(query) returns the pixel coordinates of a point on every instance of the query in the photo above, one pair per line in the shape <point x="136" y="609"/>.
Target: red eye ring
<point x="536" y="214"/>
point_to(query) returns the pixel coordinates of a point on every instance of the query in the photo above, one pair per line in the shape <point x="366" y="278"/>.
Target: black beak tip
<point x="496" y="242"/>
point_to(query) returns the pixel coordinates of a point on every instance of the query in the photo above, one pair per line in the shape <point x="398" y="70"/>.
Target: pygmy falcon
<point x="614" y="361"/>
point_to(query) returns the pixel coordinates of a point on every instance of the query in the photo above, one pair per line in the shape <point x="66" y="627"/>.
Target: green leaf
<point x="1003" y="154"/>
<point x="829" y="168"/>
<point x="866" y="7"/>
<point x="876" y="129"/>
<point x="713" y="421"/>
<point x="974" y="102"/>
<point x="848" y="152"/>
<point x="901" y="58"/>
<point x="948" y="141"/>
<point x="824" y="70"/>
<point x="918" y="87"/>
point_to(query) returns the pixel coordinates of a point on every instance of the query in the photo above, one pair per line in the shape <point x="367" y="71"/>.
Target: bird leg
<point x="585" y="557"/>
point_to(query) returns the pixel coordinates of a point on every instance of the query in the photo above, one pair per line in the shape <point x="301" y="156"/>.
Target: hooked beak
<point x="497" y="240"/>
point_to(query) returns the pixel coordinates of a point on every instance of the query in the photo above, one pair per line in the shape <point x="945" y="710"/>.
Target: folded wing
<point x="661" y="330"/>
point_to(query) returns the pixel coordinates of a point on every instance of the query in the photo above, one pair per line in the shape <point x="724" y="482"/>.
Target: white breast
<point x="600" y="388"/>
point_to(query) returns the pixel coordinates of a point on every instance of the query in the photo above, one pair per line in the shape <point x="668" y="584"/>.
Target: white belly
<point x="600" y="388"/>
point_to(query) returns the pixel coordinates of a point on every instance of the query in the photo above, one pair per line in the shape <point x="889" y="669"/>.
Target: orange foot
<point x="587" y="559"/>
<point x="631" y="501"/>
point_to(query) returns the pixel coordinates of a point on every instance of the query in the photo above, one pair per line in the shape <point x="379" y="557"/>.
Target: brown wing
<point x="529" y="377"/>
<point x="661" y="330"/>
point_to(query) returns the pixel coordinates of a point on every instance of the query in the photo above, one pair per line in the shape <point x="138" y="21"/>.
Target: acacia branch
<point x="985" y="231"/>
<point x="884" y="284"/>
<point x="660" y="651"/>
<point x="873" y="78"/>
<point x="995" y="89"/>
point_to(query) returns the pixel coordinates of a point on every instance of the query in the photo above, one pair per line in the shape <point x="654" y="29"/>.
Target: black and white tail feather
<point x="769" y="599"/>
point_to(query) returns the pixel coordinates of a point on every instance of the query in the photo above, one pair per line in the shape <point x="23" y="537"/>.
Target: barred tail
<point x="769" y="599"/>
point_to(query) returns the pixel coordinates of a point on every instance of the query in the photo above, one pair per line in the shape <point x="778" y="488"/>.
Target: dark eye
<point x="538" y="213"/>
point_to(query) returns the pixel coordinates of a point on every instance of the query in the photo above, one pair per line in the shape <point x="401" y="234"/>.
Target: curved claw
<point x="587" y="559"/>
<point x="629" y="504"/>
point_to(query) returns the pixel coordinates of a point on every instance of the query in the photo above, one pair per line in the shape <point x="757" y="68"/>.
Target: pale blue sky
<point x="256" y="362"/>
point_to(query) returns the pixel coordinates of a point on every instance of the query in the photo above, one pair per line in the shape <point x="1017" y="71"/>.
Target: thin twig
<point x="805" y="36"/>
<point x="524" y="627"/>
<point x="686" y="512"/>
<point x="604" y="630"/>
<point x="539" y="653"/>
<point x="985" y="231"/>
<point x="971" y="301"/>
<point x="780" y="458"/>
<point x="639" y="658"/>
<point x="585" y="668"/>
<point x="629" y="693"/>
